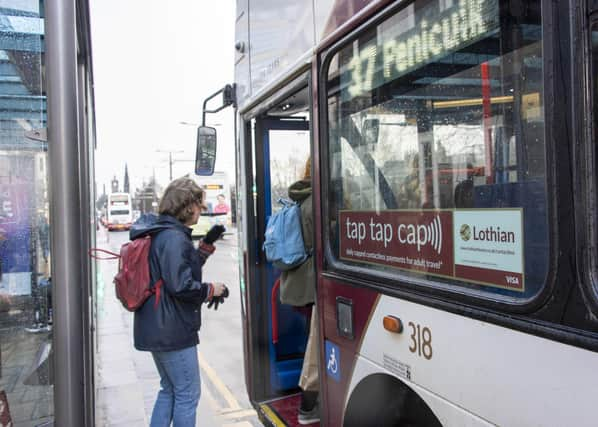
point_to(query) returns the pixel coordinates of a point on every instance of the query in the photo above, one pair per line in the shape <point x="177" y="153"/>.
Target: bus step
<point x="281" y="412"/>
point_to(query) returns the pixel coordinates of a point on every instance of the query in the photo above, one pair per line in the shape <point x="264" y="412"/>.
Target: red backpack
<point x="132" y="281"/>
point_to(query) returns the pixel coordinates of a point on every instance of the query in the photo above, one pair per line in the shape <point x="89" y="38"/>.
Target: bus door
<point x="280" y="151"/>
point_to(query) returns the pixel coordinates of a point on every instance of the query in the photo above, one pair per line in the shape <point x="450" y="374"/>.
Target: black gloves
<point x="214" y="234"/>
<point x="216" y="301"/>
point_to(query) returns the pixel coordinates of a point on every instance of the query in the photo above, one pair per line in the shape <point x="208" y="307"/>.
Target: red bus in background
<point x="119" y="212"/>
<point x="455" y="230"/>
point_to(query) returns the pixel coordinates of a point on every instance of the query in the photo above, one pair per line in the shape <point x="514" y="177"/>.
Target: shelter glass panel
<point x="26" y="368"/>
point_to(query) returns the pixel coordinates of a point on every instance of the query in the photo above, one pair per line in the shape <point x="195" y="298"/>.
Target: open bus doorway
<point x="276" y="333"/>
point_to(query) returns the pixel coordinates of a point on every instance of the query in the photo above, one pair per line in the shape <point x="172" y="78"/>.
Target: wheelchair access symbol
<point x="333" y="360"/>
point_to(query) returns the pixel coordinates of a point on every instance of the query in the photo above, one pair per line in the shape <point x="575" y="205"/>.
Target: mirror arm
<point x="229" y="99"/>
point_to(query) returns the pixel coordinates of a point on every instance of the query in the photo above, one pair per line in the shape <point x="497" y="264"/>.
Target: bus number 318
<point x="421" y="340"/>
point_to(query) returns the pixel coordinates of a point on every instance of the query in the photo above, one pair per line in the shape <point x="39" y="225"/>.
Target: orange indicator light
<point x="393" y="324"/>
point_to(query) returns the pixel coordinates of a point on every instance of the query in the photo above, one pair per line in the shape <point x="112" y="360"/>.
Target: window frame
<point x="587" y="218"/>
<point x="406" y="285"/>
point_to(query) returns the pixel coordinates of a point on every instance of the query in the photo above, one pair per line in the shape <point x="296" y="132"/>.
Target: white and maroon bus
<point x="454" y="178"/>
<point x="119" y="211"/>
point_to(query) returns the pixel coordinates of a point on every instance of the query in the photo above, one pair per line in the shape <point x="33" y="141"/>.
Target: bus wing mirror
<point x="205" y="154"/>
<point x="371" y="130"/>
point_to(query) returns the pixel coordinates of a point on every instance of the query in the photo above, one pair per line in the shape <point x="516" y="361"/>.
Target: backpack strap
<point x="157" y="290"/>
<point x="93" y="253"/>
<point x="286" y="202"/>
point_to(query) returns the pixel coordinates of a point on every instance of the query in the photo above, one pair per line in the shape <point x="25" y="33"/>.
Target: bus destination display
<point x="421" y="37"/>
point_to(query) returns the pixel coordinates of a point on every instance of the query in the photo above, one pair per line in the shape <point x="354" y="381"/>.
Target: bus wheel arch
<point x="369" y="404"/>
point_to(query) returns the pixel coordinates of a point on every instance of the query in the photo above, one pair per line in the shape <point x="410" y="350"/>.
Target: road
<point x="127" y="379"/>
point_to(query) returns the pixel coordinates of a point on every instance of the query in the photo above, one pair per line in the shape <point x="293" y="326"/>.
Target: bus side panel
<point x="346" y="349"/>
<point x="332" y="14"/>
<point x="466" y="362"/>
<point x="371" y="386"/>
<point x="274" y="49"/>
<point x="242" y="49"/>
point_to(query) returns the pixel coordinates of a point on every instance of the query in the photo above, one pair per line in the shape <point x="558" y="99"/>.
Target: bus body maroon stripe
<point x="364" y="301"/>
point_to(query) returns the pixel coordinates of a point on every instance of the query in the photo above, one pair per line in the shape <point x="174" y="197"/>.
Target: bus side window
<point x="459" y="140"/>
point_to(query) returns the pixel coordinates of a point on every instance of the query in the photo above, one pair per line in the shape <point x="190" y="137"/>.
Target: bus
<point x="217" y="188"/>
<point x="218" y="202"/>
<point x="119" y="211"/>
<point x="454" y="206"/>
<point x="47" y="215"/>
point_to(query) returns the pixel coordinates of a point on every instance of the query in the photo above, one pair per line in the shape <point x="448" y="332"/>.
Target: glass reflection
<point x="26" y="375"/>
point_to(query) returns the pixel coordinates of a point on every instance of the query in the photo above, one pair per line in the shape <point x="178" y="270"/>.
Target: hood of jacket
<point x="152" y="223"/>
<point x="300" y="190"/>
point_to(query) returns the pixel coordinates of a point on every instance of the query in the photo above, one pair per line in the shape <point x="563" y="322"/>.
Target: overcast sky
<point x="154" y="64"/>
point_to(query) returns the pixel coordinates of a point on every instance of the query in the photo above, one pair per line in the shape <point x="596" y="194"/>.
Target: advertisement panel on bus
<point x="471" y="245"/>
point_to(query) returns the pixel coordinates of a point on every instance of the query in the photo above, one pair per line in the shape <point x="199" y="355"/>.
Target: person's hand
<point x="214" y="234"/>
<point x="219" y="289"/>
<point x="220" y="293"/>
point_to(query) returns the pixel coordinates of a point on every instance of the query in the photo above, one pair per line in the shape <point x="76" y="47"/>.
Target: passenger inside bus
<point x="297" y="288"/>
<point x="411" y="186"/>
<point x="464" y="190"/>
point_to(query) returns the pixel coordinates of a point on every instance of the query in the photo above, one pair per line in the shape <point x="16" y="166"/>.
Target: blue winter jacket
<point x="174" y="322"/>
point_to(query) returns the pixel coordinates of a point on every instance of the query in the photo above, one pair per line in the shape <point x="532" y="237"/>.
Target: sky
<point x="154" y="63"/>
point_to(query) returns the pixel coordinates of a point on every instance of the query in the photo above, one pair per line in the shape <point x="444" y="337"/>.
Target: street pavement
<point x="126" y="379"/>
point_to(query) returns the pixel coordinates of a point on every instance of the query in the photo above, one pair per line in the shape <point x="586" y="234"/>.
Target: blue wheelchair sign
<point x="333" y="361"/>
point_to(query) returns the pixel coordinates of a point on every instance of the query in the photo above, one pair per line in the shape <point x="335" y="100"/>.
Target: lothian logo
<point x="465" y="232"/>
